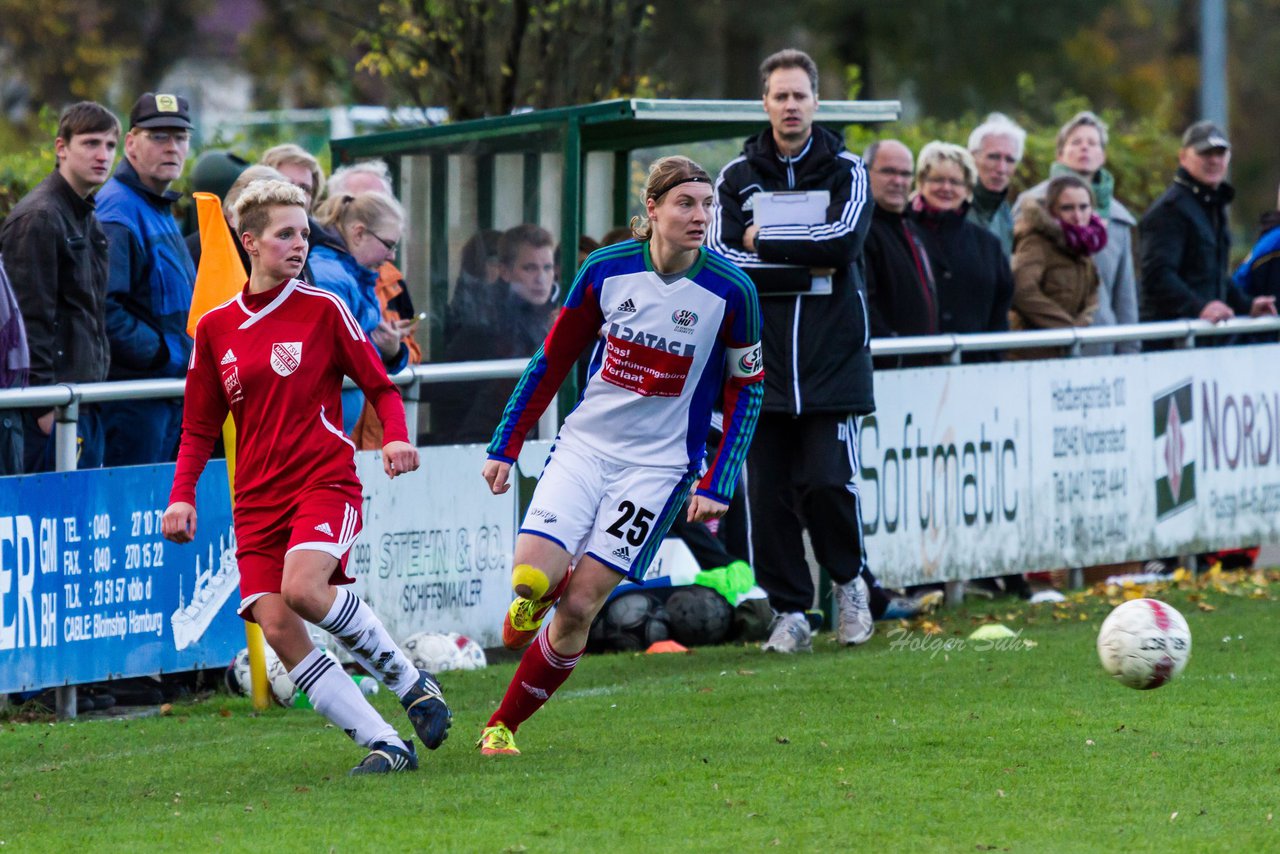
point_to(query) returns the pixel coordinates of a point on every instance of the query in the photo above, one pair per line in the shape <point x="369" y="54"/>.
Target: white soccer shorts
<point x="613" y="512"/>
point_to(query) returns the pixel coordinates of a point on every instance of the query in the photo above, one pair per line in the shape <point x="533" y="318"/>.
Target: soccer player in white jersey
<point x="676" y="327"/>
<point x="274" y="357"/>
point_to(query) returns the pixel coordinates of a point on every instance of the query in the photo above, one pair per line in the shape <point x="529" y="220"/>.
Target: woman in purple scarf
<point x="1055" y="278"/>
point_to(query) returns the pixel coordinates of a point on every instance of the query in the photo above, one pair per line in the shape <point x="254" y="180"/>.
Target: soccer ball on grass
<point x="435" y="652"/>
<point x="1144" y="643"/>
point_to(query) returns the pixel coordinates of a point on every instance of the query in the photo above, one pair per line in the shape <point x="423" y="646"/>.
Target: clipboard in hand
<point x="792" y="207"/>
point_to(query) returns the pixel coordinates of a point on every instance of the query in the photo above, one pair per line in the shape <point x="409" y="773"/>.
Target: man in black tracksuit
<point x="803" y="464"/>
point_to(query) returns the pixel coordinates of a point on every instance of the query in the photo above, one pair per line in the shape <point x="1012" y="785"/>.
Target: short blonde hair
<point x="289" y="154"/>
<point x="664" y="174"/>
<point x="253" y="208"/>
<point x="371" y="209"/>
<point x="938" y="152"/>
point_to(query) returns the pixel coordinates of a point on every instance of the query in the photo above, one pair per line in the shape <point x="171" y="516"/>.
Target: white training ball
<point x="470" y="654"/>
<point x="1144" y="643"/>
<point x="432" y="651"/>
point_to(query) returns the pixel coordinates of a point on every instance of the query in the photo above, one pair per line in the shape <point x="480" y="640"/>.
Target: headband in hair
<point x="677" y="181"/>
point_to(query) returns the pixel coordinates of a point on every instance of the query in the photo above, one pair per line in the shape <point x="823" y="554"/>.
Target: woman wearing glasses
<point x="975" y="284"/>
<point x="368" y="227"/>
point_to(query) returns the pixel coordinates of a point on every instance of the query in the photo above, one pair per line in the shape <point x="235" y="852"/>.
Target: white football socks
<point x="362" y="634"/>
<point x="333" y="694"/>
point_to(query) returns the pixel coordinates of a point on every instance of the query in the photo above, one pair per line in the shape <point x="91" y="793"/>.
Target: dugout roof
<point x="573" y="170"/>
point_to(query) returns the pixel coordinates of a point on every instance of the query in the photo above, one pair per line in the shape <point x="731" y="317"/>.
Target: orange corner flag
<point x="220" y="277"/>
<point x="221" y="274"/>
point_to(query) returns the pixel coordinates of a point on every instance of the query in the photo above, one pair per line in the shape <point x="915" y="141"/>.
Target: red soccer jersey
<point x="276" y="361"/>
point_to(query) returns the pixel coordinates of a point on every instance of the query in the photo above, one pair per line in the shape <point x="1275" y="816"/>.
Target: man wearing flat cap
<point x="149" y="280"/>
<point x="1186" y="239"/>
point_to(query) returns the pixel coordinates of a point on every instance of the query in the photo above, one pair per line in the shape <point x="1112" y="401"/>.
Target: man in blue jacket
<point x="150" y="278"/>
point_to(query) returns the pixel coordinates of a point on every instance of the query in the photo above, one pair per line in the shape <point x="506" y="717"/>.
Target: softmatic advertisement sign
<point x="988" y="469"/>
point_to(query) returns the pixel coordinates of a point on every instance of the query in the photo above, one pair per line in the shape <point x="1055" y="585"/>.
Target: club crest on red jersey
<point x="286" y="357"/>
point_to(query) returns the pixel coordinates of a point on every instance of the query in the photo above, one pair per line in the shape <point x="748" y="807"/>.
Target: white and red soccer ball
<point x="1144" y="643"/>
<point x="435" y="652"/>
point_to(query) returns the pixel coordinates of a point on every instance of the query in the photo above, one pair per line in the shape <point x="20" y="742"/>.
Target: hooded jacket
<point x="816" y="352"/>
<point x="1053" y="287"/>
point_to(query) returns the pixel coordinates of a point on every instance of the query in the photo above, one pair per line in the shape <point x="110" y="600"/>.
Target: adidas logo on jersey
<point x="227" y="358"/>
<point x="629" y="305"/>
<point x="324" y="528"/>
<point x="623" y="552"/>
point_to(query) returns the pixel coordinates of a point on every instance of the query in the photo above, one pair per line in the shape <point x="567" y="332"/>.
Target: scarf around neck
<point x="1087" y="239"/>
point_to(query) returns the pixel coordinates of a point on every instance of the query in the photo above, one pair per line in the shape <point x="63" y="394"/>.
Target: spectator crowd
<point x="100" y="276"/>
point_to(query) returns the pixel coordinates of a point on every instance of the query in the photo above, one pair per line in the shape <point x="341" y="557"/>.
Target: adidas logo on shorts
<point x="629" y="305"/>
<point x="324" y="528"/>
<point x="623" y="552"/>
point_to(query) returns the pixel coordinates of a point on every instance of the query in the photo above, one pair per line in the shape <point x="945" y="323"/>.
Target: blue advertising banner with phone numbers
<point x="90" y="590"/>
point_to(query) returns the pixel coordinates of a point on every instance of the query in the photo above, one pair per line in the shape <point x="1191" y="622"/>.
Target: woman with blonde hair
<point x="274" y="358"/>
<point x="365" y="230"/>
<point x="673" y="325"/>
<point x="975" y="285"/>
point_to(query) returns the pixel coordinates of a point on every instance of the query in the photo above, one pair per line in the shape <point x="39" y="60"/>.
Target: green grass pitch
<point x="903" y="744"/>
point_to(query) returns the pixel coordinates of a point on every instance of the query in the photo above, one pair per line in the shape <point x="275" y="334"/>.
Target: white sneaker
<point x="790" y="634"/>
<point x="854" y="624"/>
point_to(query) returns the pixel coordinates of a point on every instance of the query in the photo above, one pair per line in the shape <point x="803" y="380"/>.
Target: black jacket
<point x="511" y="328"/>
<point x="975" y="282"/>
<point x="1186" y="244"/>
<point x="901" y="293"/>
<point x="900" y="286"/>
<point x="816" y="352"/>
<point x="56" y="255"/>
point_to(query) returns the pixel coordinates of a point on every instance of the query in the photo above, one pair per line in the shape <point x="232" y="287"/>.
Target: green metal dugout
<point x="572" y="170"/>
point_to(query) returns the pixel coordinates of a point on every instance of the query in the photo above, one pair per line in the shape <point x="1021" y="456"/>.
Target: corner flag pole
<point x="220" y="277"/>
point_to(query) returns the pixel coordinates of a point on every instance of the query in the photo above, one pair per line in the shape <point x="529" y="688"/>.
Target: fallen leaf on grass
<point x="1173" y="815"/>
<point x="1000" y="792"/>
<point x="166" y="709"/>
<point x="224" y="712"/>
<point x="248" y="807"/>
<point x="302" y="788"/>
<point x="1089" y="742"/>
<point x="746" y="673"/>
<point x="782" y="739"/>
<point x="37" y="796"/>
<point x="1205" y="606"/>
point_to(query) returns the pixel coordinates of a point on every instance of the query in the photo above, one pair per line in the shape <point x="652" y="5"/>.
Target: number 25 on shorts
<point x="633" y="523"/>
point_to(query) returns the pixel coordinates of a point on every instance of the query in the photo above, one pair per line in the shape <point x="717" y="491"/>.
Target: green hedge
<point x="1141" y="155"/>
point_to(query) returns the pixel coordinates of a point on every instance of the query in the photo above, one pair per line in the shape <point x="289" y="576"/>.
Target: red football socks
<point x="542" y="670"/>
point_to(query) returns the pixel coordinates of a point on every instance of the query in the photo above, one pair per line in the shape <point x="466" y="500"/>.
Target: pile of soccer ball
<point x="1144" y="643"/>
<point x="635" y="620"/>
<point x="435" y="652"/>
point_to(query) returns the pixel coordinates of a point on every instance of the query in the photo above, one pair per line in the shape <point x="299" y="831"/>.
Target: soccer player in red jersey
<point x="275" y="357"/>
<point x="675" y="327"/>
